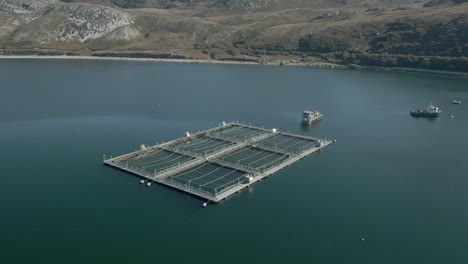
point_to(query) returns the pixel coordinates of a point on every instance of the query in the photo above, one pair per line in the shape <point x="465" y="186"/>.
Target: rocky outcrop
<point x="49" y="21"/>
<point x="14" y="14"/>
<point x="249" y="5"/>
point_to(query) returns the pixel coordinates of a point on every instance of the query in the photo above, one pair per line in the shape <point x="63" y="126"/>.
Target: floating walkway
<point x="218" y="162"/>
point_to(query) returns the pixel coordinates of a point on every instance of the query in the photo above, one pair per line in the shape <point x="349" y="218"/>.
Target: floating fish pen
<point x="218" y="162"/>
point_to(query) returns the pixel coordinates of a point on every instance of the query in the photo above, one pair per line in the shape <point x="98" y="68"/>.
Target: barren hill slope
<point x="430" y="34"/>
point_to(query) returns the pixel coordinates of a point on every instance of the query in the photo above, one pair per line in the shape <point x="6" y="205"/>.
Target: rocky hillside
<point x="411" y="33"/>
<point x="49" y="22"/>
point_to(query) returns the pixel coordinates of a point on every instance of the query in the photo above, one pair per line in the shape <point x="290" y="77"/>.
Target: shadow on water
<point x="306" y="129"/>
<point x="429" y="119"/>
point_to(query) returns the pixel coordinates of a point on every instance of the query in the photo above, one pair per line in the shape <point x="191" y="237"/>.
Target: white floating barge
<point x="311" y="116"/>
<point x="219" y="162"/>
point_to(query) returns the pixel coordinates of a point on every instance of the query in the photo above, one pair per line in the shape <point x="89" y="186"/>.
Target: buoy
<point x="249" y="178"/>
<point x="451" y="116"/>
<point x="362" y="239"/>
<point x="334" y="141"/>
<point x="205" y="204"/>
<point x="142" y="181"/>
<point x="148" y="184"/>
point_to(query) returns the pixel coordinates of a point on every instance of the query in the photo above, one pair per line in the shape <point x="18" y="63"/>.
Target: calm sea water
<point x="397" y="182"/>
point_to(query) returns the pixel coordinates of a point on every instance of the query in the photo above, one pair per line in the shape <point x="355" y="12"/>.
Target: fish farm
<point x="219" y="162"/>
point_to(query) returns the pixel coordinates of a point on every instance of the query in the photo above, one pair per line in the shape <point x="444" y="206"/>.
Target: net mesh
<point x="210" y="178"/>
<point x="157" y="161"/>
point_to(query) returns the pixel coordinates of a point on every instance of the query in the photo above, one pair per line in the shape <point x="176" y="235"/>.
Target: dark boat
<point x="431" y="111"/>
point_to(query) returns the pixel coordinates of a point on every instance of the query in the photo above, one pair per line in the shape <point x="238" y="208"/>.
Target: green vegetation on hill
<point x="403" y="43"/>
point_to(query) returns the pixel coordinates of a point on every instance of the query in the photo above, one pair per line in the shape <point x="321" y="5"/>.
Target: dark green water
<point x="398" y="182"/>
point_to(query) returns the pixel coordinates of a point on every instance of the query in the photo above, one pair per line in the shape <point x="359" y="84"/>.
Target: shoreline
<point x="319" y="65"/>
<point x="69" y="57"/>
